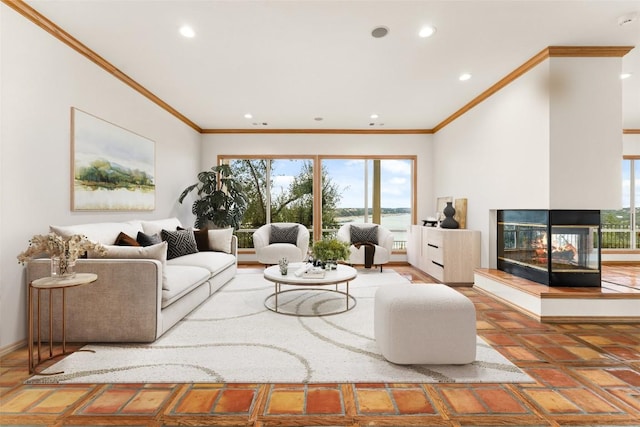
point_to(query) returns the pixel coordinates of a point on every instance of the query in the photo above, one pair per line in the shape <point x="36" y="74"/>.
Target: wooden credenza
<point x="450" y="256"/>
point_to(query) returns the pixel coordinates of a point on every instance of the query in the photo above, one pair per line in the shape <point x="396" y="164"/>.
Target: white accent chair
<point x="270" y="253"/>
<point x="383" y="248"/>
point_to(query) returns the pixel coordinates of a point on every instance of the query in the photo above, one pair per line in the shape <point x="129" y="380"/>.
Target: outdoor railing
<point x="245" y="238"/>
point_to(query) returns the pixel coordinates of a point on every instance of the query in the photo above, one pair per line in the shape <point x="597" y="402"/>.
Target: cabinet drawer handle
<point x="433" y="246"/>
<point x="438" y="264"/>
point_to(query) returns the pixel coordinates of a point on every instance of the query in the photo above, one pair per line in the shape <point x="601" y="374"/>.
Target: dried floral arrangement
<point x="69" y="248"/>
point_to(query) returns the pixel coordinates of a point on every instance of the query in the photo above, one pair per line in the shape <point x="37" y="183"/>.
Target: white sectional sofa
<point x="139" y="294"/>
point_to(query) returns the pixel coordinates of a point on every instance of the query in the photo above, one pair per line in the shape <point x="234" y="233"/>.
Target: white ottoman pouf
<point x="424" y="324"/>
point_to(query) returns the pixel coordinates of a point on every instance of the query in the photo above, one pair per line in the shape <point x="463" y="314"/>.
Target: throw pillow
<point x="181" y="242"/>
<point x="157" y="252"/>
<point x="283" y="234"/>
<point x="125" y="240"/>
<point x="220" y="240"/>
<point x="148" y="239"/>
<point x="202" y="238"/>
<point x="364" y="234"/>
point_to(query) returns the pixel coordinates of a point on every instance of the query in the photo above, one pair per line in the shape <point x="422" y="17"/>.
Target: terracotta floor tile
<point x="498" y="400"/>
<point x="146" y="402"/>
<point x="286" y="402"/>
<point x="558" y="353"/>
<point x="518" y="353"/>
<point x="463" y="401"/>
<point x="413" y="401"/>
<point x="589" y="402"/>
<point x="552" y="402"/>
<point x="324" y="401"/>
<point x="110" y="401"/>
<point x="586" y="353"/>
<point x="626" y="375"/>
<point x="23" y="400"/>
<point x="235" y="401"/>
<point x="553" y="377"/>
<point x="623" y="353"/>
<point x="601" y="377"/>
<point x="374" y="402"/>
<point x="59" y="401"/>
<point x="197" y="401"/>
<point x="500" y="339"/>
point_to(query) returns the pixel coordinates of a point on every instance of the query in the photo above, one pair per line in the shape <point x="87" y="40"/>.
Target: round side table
<point x="50" y="284"/>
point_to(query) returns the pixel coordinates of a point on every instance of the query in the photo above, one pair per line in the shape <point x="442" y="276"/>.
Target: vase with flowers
<point x="63" y="251"/>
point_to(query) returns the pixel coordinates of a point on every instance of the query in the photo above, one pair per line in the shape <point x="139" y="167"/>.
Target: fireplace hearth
<point x="551" y="247"/>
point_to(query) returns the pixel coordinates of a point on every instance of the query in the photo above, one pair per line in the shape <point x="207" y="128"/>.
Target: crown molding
<point x="323" y="131"/>
<point x="588" y="51"/>
<point x="49" y="26"/>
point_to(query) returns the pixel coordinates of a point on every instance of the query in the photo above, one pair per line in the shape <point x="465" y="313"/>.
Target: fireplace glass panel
<point x="557" y="248"/>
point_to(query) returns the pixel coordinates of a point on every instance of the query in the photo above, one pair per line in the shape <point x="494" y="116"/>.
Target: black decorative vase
<point x="449" y="211"/>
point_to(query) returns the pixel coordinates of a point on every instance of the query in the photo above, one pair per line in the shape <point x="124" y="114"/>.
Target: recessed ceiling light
<point x="187" y="31"/>
<point x="374" y="116"/>
<point x="318" y="119"/>
<point x="427" y="31"/>
<point x="625" y="76"/>
<point x="464" y="77"/>
<point x="248" y="116"/>
<point x="379" y="32"/>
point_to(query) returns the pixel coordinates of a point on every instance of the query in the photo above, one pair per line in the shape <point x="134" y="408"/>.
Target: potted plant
<point x="330" y="251"/>
<point x="220" y="202"/>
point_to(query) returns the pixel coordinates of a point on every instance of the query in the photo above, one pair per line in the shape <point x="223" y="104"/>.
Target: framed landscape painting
<point x="112" y="168"/>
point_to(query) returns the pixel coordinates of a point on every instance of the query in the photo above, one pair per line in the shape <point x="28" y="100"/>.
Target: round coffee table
<point x="304" y="283"/>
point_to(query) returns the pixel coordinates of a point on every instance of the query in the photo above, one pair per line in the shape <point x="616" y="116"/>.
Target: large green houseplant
<point x="221" y="200"/>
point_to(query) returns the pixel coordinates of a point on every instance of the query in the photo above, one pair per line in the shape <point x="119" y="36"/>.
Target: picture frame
<point x="441" y="203"/>
<point x="112" y="168"/>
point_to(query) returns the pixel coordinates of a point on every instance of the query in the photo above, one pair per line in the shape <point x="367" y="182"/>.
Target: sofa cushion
<point x="283" y="234"/>
<point x="100" y="232"/>
<point x="158" y="252"/>
<point x="148" y="239"/>
<point x="156" y="226"/>
<point x="368" y="234"/>
<point x="181" y="242"/>
<point x="212" y="261"/>
<point x="182" y="279"/>
<point x="124" y="239"/>
<point x="220" y="240"/>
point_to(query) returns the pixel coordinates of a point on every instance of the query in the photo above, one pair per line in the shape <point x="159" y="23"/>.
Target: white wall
<point x="497" y="154"/>
<point x="41" y="80"/>
<point x="585" y="133"/>
<point x="631" y="144"/>
<point x="419" y="145"/>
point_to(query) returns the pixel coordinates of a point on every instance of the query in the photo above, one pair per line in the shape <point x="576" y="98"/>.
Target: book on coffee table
<point x="314" y="274"/>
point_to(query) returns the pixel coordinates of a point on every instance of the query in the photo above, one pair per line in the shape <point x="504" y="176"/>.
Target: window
<point x="374" y="190"/>
<point x="324" y="193"/>
<point x="279" y="190"/>
<point x="621" y="228"/>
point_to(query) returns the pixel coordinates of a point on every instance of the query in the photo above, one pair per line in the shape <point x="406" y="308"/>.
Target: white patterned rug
<point x="233" y="338"/>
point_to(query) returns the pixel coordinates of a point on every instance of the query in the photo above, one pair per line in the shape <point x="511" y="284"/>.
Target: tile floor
<point x="585" y="375"/>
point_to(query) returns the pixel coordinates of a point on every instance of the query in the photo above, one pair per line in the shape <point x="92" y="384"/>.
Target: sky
<point x="348" y="175"/>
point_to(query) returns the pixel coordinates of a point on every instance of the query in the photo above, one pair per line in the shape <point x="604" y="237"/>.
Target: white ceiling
<point x="288" y="62"/>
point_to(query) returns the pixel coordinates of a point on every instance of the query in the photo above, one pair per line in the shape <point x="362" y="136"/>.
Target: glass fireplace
<point x="552" y="247"/>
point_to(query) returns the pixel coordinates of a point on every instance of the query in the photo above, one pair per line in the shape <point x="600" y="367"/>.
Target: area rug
<point x="233" y="338"/>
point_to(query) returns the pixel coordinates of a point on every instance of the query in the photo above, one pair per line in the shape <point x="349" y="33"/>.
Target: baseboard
<point x="12" y="347"/>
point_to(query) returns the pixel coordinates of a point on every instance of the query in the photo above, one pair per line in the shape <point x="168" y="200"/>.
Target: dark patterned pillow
<point x="284" y="234"/>
<point x="202" y="238"/>
<point x="364" y="234"/>
<point x="181" y="242"/>
<point x="148" y="239"/>
<point x="124" y="239"/>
